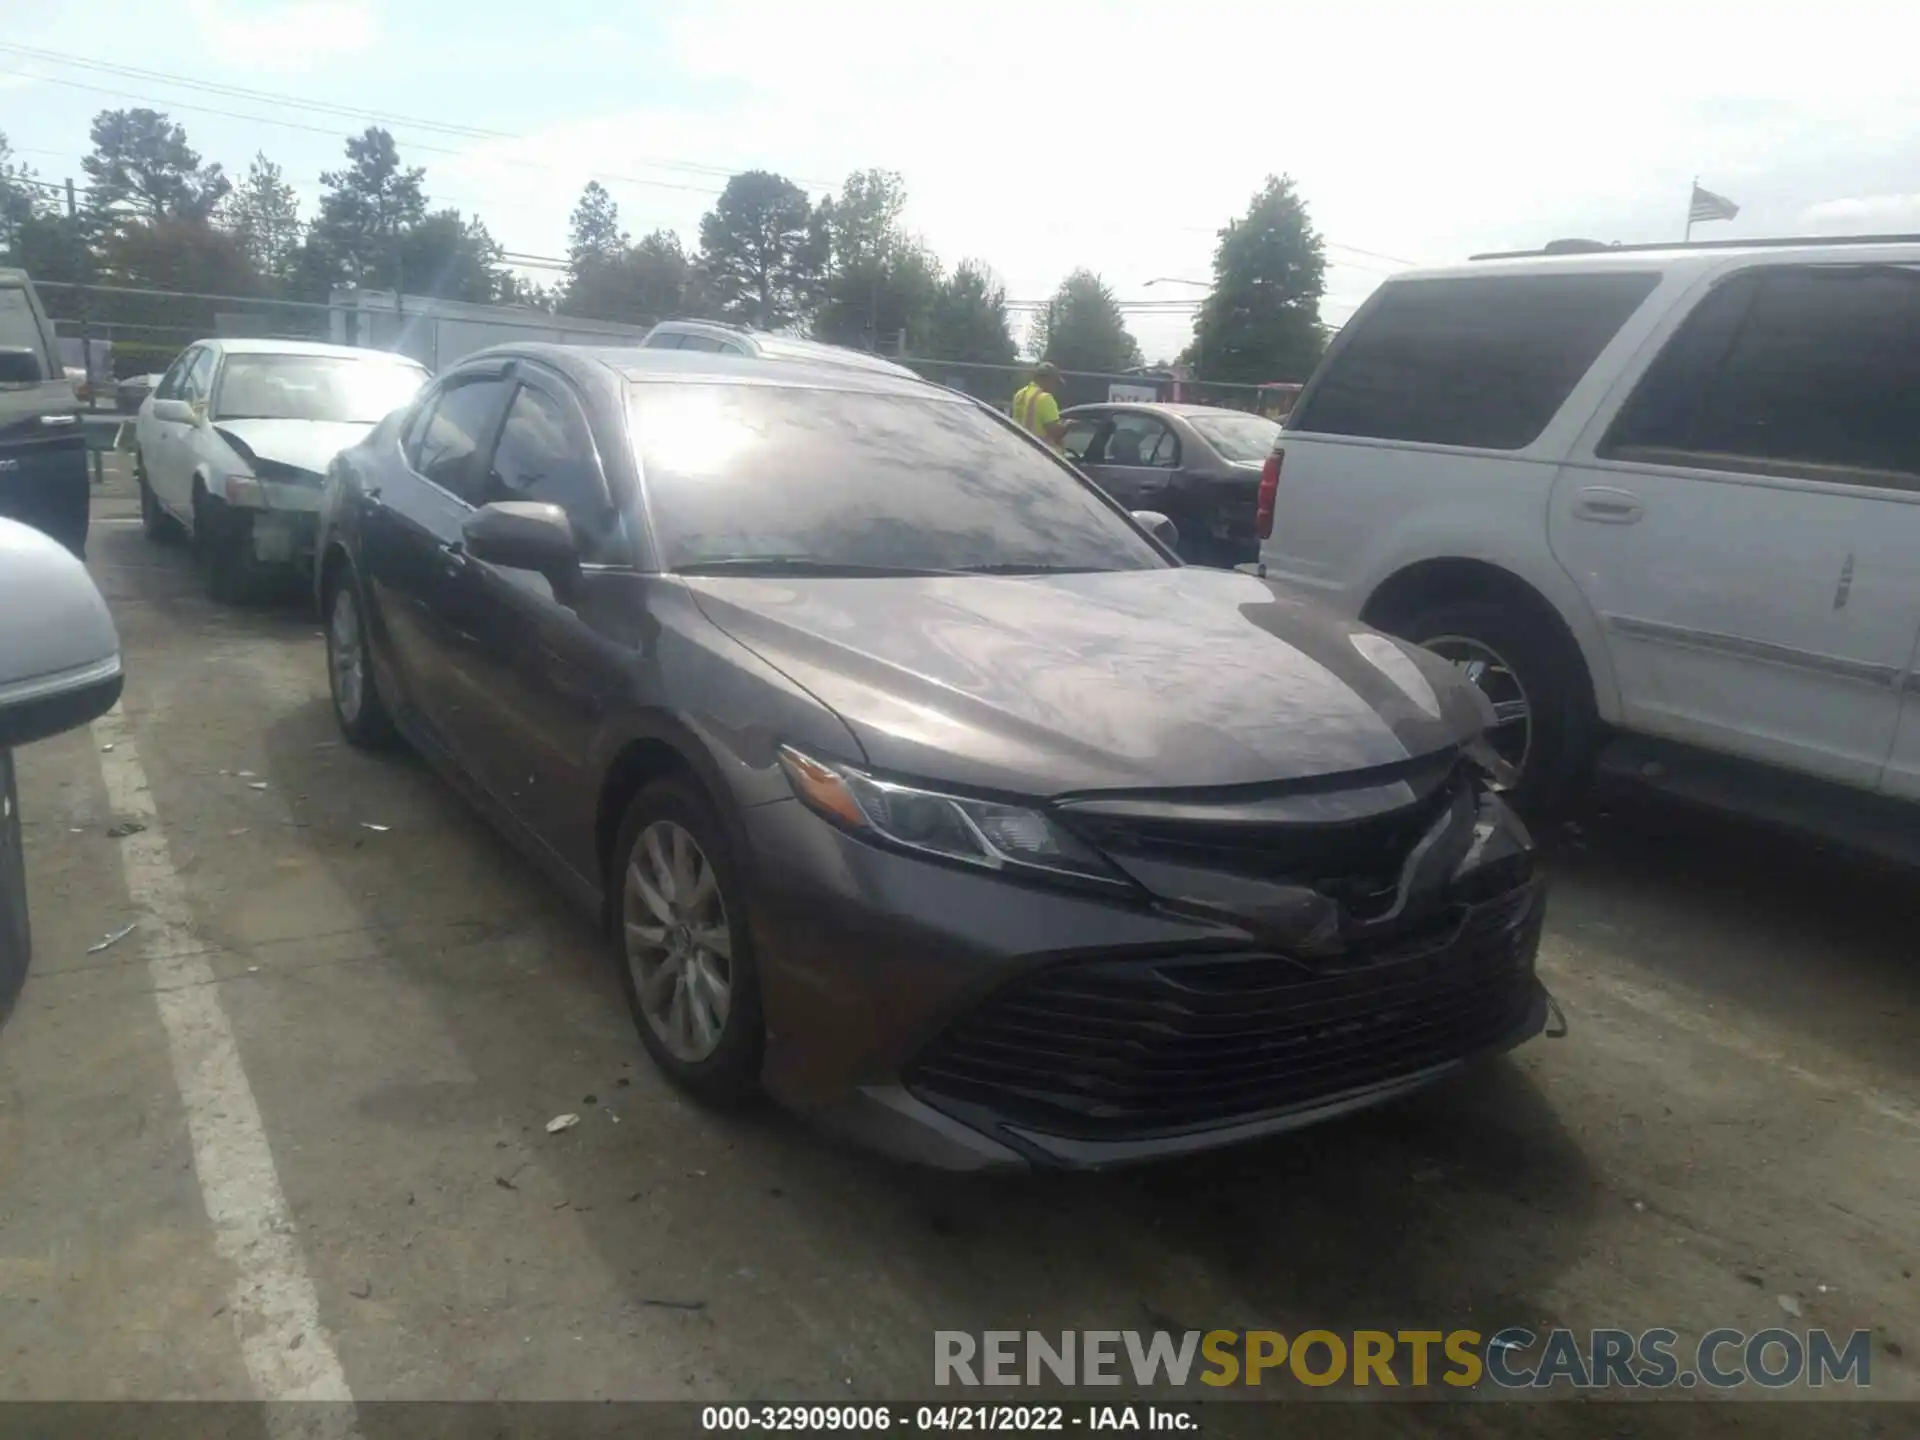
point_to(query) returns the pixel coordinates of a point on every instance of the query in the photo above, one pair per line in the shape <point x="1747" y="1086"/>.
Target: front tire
<point x="358" y="707"/>
<point x="1546" y="726"/>
<point x="223" y="538"/>
<point x="683" y="946"/>
<point x="155" y="522"/>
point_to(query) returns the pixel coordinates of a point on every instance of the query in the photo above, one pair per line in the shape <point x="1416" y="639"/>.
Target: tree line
<point x="154" y="214"/>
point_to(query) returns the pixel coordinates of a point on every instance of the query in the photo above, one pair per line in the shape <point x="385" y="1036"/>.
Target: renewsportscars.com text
<point x="1513" y="1358"/>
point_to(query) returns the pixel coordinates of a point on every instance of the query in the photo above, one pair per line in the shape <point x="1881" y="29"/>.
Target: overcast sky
<point x="1040" y="137"/>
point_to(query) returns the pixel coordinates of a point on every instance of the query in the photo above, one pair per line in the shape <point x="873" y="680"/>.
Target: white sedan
<point x="234" y="443"/>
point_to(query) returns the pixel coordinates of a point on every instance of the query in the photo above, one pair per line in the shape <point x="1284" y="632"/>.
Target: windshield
<point x="315" y="387"/>
<point x="1247" y="439"/>
<point x="796" y="478"/>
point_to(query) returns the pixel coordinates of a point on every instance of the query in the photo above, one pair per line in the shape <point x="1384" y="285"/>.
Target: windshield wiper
<point x="798" y="565"/>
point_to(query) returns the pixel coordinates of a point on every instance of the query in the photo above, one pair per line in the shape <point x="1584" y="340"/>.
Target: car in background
<point x="1661" y="502"/>
<point x="236" y="438"/>
<point x="1199" y="465"/>
<point x="131" y="393"/>
<point x="910" y="779"/>
<point x="59" y="669"/>
<point x="721" y="338"/>
<point x="43" y="449"/>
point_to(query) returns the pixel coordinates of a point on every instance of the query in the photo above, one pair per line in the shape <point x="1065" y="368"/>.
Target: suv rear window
<point x="1483" y="361"/>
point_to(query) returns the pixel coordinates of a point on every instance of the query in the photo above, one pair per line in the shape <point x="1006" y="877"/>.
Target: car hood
<point x="1155" y="679"/>
<point x="302" y="444"/>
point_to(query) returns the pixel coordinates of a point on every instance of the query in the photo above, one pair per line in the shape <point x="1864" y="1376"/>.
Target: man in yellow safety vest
<point x="1035" y="408"/>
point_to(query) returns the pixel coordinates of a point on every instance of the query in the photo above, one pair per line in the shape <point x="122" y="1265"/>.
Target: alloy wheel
<point x="346" y="655"/>
<point x="678" y="944"/>
<point x="1485" y="668"/>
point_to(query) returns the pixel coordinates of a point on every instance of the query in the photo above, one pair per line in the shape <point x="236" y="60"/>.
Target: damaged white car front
<point x="239" y="454"/>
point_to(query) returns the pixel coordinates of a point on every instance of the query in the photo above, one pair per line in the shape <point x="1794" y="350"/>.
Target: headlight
<point x="986" y="833"/>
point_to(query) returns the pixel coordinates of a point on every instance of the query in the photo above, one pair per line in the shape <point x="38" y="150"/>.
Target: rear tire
<point x="680" y="938"/>
<point x="358" y="707"/>
<point x="1524" y="659"/>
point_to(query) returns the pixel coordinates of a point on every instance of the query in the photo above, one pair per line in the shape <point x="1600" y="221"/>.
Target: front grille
<point x="1105" y="1049"/>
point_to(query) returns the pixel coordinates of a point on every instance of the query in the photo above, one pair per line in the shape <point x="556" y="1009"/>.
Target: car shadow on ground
<point x="800" y="1267"/>
<point x="1457" y="1207"/>
<point x="1811" y="938"/>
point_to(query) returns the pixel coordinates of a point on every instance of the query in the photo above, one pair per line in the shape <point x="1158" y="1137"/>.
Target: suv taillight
<point x="1269" y="492"/>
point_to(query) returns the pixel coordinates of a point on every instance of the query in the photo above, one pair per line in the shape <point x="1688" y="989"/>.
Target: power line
<point x="1373" y="254"/>
<point x="351" y="112"/>
<point x="321" y="130"/>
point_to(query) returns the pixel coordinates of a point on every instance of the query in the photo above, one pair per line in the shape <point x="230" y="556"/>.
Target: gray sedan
<point x="1197" y="464"/>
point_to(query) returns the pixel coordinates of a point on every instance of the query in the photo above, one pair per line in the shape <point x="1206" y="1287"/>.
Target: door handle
<point x="453" y="558"/>
<point x="1607" y="506"/>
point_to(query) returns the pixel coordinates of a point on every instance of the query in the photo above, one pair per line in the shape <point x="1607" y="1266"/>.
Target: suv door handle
<point x="453" y="557"/>
<point x="1607" y="506"/>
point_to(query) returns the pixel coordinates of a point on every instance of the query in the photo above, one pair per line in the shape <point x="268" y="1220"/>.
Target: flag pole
<point x="1688" y="240"/>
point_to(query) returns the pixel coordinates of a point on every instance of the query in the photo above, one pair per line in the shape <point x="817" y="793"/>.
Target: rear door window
<point x="1480" y="361"/>
<point x="1808" y="371"/>
<point x="1141" y="440"/>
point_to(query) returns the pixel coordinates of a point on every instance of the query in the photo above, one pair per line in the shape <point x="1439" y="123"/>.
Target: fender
<point x="1464" y="539"/>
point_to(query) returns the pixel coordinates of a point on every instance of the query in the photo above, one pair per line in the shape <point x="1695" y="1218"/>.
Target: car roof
<point x="1160" y="407"/>
<point x="639" y="364"/>
<point x="302" y="347"/>
<point x="1676" y="258"/>
<point x="774" y="346"/>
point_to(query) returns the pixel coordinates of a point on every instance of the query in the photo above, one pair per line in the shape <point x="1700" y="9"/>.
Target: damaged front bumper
<point x="282" y="518"/>
<point x="965" y="1021"/>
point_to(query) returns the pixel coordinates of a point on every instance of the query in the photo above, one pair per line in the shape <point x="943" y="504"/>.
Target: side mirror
<point x="59" y="652"/>
<point x="525" y="535"/>
<point x="20" y="366"/>
<point x="1158" y="526"/>
<point x="175" y="412"/>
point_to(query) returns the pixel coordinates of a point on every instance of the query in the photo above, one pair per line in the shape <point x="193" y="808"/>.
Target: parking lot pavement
<point x="343" y="1044"/>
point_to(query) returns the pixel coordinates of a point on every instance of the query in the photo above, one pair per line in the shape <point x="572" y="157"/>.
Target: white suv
<point x="1663" y="502"/>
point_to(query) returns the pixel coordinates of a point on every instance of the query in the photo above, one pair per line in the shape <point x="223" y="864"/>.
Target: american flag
<point x="1709" y="206"/>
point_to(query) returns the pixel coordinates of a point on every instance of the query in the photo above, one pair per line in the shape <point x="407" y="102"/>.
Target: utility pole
<point x="86" y="334"/>
<point x="1687" y="239"/>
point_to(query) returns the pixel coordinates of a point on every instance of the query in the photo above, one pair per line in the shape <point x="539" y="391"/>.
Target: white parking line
<point x="275" y="1309"/>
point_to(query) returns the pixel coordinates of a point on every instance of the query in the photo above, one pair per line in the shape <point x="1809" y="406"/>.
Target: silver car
<point x="233" y="445"/>
<point x="721" y="338"/>
<point x="59" y="668"/>
<point x="1199" y="465"/>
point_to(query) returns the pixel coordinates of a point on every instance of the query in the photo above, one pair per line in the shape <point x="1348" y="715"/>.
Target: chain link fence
<point x="119" y="332"/>
<point x="996" y="385"/>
